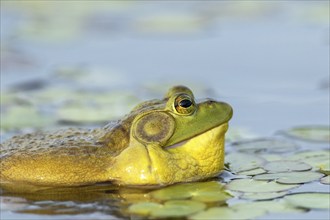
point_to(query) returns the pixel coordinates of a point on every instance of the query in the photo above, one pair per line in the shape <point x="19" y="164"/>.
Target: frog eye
<point x="184" y="105"/>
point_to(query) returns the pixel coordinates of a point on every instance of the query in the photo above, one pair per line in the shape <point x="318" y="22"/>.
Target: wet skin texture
<point x="160" y="142"/>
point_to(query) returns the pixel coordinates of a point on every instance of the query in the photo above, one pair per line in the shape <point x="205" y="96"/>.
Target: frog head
<point x="172" y="140"/>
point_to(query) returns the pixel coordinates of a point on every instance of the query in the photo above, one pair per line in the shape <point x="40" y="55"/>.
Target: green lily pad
<point x="170" y="23"/>
<point x="217" y="213"/>
<point x="307" y="155"/>
<point x="239" y="162"/>
<point x="319" y="160"/>
<point x="263" y="196"/>
<point x="309" y="200"/>
<point x="250" y="185"/>
<point x="270" y="145"/>
<point x="188" y="190"/>
<point x="272" y="157"/>
<point x="24" y="117"/>
<point x="80" y="114"/>
<point x="9" y="98"/>
<point x="286" y="166"/>
<point x="310" y="133"/>
<point x="291" y="177"/>
<point x="253" y="172"/>
<point x="172" y="192"/>
<point x="212" y="196"/>
<point x="143" y="208"/>
<point x="274" y="206"/>
<point x="325" y="167"/>
<point x="238" y="134"/>
<point x="325" y="180"/>
<point x="177" y="208"/>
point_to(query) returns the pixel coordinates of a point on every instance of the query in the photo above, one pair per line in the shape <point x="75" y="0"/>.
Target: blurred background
<point x="84" y="63"/>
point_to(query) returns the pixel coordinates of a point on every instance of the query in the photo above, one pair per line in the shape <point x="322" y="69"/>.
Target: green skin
<point x="160" y="142"/>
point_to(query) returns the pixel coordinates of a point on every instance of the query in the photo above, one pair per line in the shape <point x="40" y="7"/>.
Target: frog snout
<point x="210" y="101"/>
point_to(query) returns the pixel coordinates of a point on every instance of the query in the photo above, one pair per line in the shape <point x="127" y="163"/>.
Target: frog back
<point x="65" y="157"/>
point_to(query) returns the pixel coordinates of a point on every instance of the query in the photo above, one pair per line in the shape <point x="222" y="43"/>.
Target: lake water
<point x="269" y="60"/>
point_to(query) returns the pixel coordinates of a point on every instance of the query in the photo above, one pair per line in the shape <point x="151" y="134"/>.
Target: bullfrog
<point x="160" y="142"/>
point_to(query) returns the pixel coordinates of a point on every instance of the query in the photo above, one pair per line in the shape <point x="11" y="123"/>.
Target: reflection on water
<point x="107" y="199"/>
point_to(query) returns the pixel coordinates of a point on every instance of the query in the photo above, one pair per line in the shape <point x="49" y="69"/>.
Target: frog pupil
<point x="185" y="103"/>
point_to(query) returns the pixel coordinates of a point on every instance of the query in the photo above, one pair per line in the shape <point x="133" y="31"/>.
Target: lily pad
<point x="286" y="166"/>
<point x="238" y="134"/>
<point x="325" y="180"/>
<point x="310" y="133"/>
<point x="143" y="208"/>
<point x="170" y="23"/>
<point x="270" y="145"/>
<point x="172" y="192"/>
<point x="85" y="114"/>
<point x="272" y="157"/>
<point x="317" y="159"/>
<point x="177" y="208"/>
<point x="189" y="190"/>
<point x="253" y="172"/>
<point x="291" y="177"/>
<point x="239" y="162"/>
<point x="309" y="200"/>
<point x="24" y="117"/>
<point x="228" y="213"/>
<point x="325" y="167"/>
<point x="263" y="196"/>
<point x="211" y="196"/>
<point x="274" y="206"/>
<point x="250" y="185"/>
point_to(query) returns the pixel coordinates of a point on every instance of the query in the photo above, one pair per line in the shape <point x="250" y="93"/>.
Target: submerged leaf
<point x="309" y="200"/>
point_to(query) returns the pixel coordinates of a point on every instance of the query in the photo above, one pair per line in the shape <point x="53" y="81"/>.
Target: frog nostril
<point x="210" y="101"/>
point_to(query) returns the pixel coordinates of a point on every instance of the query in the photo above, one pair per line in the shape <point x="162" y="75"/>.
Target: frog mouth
<point x="177" y="144"/>
<point x="205" y="137"/>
